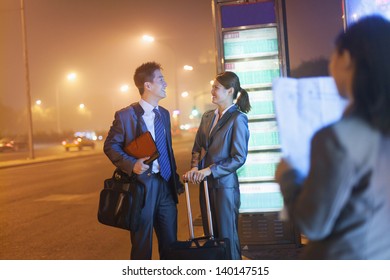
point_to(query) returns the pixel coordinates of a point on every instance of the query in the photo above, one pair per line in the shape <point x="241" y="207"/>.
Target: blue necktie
<point x="163" y="160"/>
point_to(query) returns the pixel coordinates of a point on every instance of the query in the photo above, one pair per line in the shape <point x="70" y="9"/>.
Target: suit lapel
<point x="208" y="119"/>
<point x="222" y="121"/>
<point x="139" y="111"/>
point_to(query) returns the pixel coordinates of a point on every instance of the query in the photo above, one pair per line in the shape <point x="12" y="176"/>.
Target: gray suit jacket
<point x="124" y="130"/>
<point x="343" y="206"/>
<point x="224" y="149"/>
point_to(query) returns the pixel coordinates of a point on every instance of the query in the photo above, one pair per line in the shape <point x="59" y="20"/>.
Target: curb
<point x="23" y="162"/>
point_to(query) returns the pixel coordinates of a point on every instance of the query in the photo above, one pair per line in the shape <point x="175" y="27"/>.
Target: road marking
<point x="66" y="197"/>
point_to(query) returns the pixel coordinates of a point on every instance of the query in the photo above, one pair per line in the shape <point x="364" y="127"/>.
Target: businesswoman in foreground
<point x="220" y="148"/>
<point x="343" y="205"/>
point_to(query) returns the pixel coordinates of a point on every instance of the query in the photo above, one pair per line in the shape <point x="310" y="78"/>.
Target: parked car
<point x="12" y="144"/>
<point x="78" y="143"/>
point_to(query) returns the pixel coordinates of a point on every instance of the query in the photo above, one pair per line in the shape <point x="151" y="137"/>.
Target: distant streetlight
<point x="188" y="67"/>
<point x="38" y="102"/>
<point x="194" y="112"/>
<point x="82" y="106"/>
<point x="71" y="77"/>
<point x="124" y="88"/>
<point x="148" y="38"/>
<point x="184" y="94"/>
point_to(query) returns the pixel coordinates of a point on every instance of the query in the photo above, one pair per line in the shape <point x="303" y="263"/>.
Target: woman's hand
<point x="195" y="177"/>
<point x="189" y="174"/>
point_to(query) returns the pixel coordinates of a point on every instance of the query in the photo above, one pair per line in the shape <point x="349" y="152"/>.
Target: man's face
<point x="158" y="85"/>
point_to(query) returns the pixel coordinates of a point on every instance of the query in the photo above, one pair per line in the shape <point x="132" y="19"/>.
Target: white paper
<point x="302" y="107"/>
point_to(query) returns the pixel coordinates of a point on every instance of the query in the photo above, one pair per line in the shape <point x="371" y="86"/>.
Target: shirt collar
<point x="224" y="111"/>
<point x="148" y="108"/>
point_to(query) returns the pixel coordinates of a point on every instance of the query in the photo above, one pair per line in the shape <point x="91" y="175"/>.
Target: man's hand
<point x="180" y="188"/>
<point x="140" y="167"/>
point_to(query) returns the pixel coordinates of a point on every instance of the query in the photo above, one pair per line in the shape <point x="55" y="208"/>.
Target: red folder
<point x="143" y="146"/>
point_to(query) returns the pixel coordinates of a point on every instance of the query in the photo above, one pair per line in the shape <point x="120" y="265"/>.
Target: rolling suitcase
<point x="199" y="248"/>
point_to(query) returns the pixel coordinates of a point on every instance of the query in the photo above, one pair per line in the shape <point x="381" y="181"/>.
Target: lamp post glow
<point x="148" y="38"/>
<point x="70" y="77"/>
<point x="124" y="88"/>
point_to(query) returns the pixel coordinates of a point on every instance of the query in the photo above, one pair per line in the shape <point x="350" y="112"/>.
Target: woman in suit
<point x="220" y="148"/>
<point x="343" y="205"/>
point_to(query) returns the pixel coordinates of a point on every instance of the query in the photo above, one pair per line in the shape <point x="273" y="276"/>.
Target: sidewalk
<point x="62" y="156"/>
<point x="184" y="137"/>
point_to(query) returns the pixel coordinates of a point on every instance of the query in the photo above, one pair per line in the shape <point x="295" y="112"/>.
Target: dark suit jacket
<point x="343" y="206"/>
<point x="224" y="149"/>
<point x="124" y="130"/>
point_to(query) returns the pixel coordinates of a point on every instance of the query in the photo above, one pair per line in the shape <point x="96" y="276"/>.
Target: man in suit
<point x="161" y="181"/>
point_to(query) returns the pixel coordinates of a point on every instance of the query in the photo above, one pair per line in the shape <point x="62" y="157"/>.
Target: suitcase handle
<point x="208" y="208"/>
<point x="189" y="211"/>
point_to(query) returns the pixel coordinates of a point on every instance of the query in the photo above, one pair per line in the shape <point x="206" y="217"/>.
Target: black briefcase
<point x="200" y="248"/>
<point x="121" y="201"/>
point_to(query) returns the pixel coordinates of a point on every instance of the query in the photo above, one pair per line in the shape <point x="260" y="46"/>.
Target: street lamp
<point x="71" y="77"/>
<point x="27" y="80"/>
<point x="124" y="88"/>
<point x="188" y="68"/>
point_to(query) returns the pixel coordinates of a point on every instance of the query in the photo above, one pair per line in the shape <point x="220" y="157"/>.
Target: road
<point x="48" y="209"/>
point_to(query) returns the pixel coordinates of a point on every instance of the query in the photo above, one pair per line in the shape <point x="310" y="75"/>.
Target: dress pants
<point x="224" y="205"/>
<point x="160" y="214"/>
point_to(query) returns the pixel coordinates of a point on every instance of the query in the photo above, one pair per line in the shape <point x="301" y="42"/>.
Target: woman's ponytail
<point x="243" y="101"/>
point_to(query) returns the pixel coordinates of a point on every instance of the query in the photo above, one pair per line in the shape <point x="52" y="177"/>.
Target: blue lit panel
<point x="248" y="14"/>
<point x="355" y="9"/>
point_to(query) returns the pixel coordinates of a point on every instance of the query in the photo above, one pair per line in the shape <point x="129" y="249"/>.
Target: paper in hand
<point x="302" y="107"/>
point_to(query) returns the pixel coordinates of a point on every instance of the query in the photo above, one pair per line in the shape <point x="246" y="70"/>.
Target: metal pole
<point x="25" y="54"/>
<point x="58" y="110"/>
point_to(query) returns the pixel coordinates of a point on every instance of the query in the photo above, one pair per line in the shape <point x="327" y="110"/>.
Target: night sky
<point x="100" y="40"/>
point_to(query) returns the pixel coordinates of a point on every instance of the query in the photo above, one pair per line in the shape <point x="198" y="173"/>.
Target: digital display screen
<point x="259" y="167"/>
<point x="262" y="103"/>
<point x="263" y="197"/>
<point x="250" y="43"/>
<point x="264" y="135"/>
<point x="255" y="73"/>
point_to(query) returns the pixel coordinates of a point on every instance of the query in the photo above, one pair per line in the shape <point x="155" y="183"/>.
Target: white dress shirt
<point x="148" y="117"/>
<point x="216" y="116"/>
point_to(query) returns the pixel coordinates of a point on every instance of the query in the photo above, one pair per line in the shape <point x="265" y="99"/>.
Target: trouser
<point x="224" y="205"/>
<point x="160" y="214"/>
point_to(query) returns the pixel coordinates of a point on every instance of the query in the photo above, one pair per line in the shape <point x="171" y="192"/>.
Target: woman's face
<point x="220" y="95"/>
<point x="341" y="69"/>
